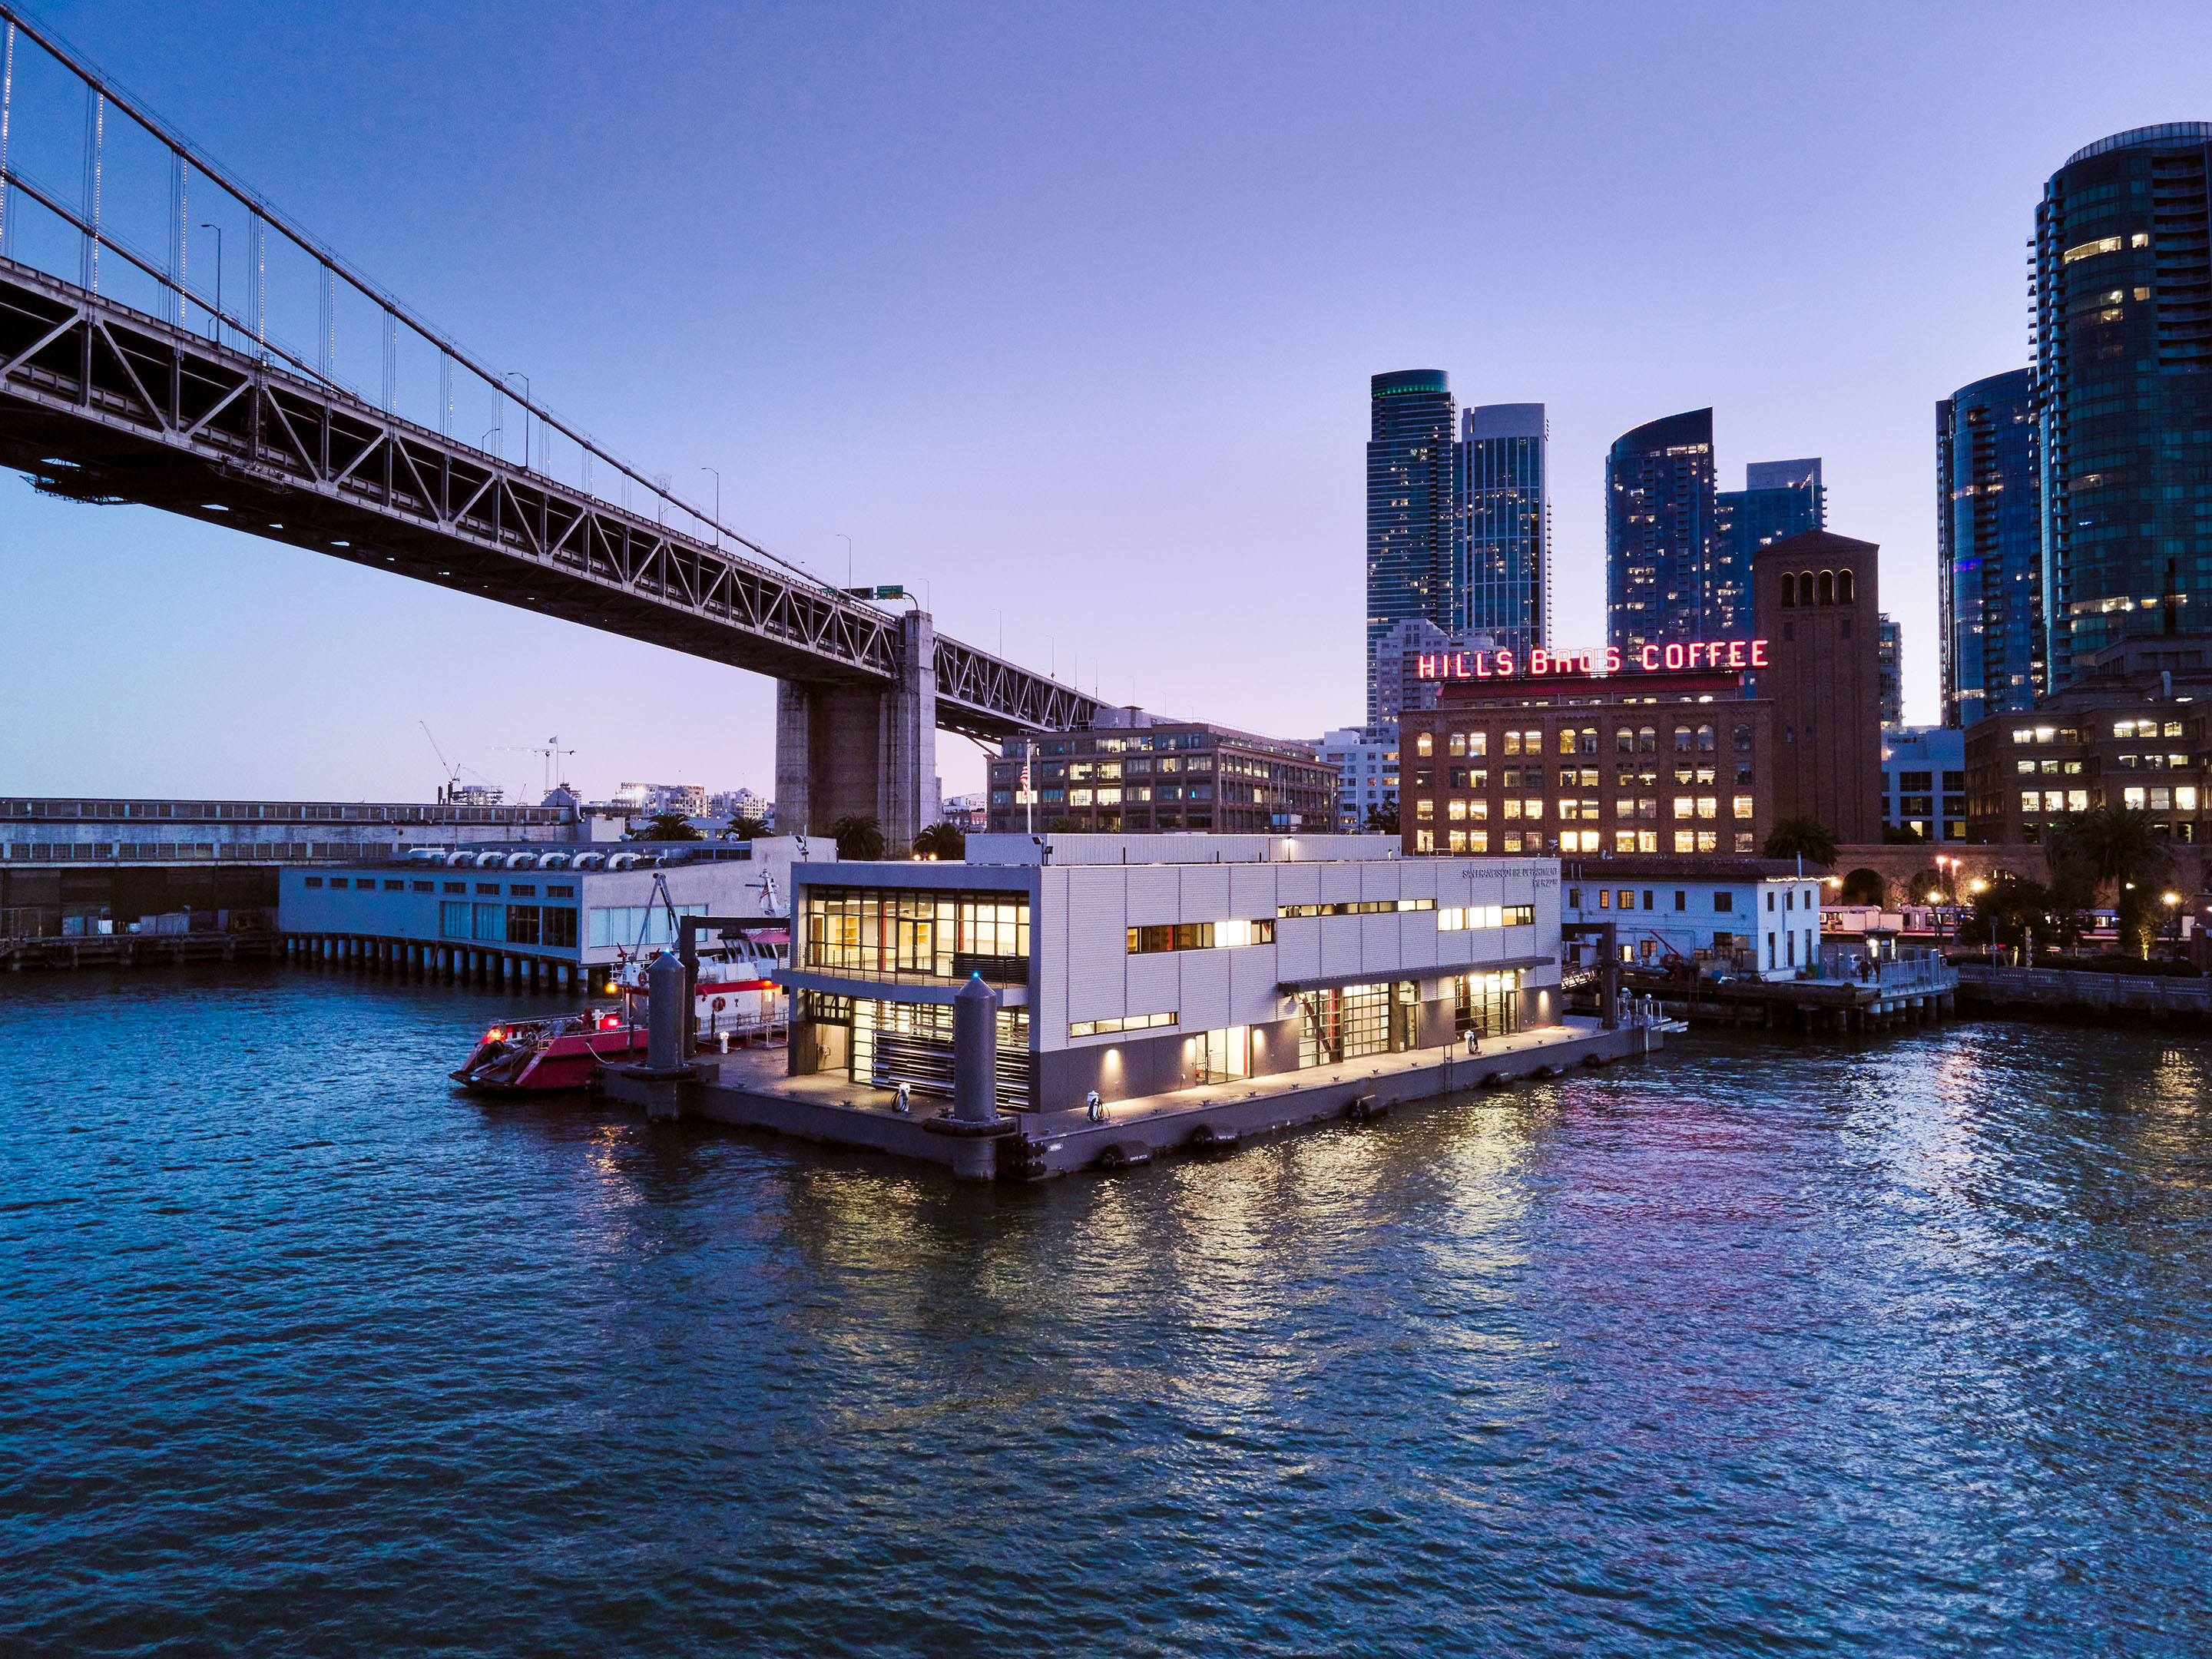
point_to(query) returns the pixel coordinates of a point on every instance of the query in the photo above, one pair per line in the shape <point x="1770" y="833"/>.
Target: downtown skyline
<point x="1011" y="347"/>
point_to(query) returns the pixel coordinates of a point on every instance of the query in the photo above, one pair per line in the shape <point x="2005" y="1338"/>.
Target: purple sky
<point x="1066" y="311"/>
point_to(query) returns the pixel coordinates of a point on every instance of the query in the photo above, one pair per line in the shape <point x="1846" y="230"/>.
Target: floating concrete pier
<point x="751" y="1091"/>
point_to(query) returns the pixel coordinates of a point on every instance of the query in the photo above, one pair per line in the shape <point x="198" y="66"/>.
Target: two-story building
<point x="1759" y="915"/>
<point x="1132" y="772"/>
<point x="1135" y="965"/>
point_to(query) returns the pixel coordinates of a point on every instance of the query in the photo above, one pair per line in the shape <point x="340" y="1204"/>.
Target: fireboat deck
<point x="750" y="1088"/>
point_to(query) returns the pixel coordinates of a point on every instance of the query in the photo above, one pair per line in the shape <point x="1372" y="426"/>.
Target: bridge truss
<point x="101" y="402"/>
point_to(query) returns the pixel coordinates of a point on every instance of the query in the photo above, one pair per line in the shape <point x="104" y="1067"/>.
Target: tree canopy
<point x="1792" y="837"/>
<point x="667" y="826"/>
<point x="942" y="841"/>
<point x="859" y="837"/>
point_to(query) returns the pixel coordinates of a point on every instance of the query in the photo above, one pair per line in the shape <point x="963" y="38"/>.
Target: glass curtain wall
<point x="922" y="934"/>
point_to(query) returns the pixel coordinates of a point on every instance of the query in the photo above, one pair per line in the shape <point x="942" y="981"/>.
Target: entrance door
<point x="1227" y="1054"/>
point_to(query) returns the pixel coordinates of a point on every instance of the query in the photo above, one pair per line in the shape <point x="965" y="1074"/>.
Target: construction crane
<point x="452" y="772"/>
<point x="553" y="755"/>
<point x="485" y="793"/>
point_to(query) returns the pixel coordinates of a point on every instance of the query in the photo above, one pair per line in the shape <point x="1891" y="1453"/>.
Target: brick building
<point x="1693" y="747"/>
<point x="1816" y="597"/>
<point x="2132" y="733"/>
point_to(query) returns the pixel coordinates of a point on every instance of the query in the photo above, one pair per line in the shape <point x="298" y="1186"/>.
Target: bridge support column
<point x="843" y="752"/>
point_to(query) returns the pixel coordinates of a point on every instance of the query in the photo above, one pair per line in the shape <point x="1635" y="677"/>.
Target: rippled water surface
<point x="1760" y="1347"/>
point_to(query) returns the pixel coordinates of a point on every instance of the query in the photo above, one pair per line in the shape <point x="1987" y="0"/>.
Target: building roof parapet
<point x="2163" y="132"/>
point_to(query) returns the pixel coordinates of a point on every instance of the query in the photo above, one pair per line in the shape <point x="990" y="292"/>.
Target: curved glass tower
<point x="1409" y="506"/>
<point x="1989" y="548"/>
<point x="2124" y="362"/>
<point x="1662" y="580"/>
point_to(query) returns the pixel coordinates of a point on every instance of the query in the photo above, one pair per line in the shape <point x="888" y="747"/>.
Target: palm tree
<point x="944" y="841"/>
<point x="859" y="837"/>
<point x="2113" y="844"/>
<point x="667" y="826"/>
<point x="743" y="829"/>
<point x="1805" y="837"/>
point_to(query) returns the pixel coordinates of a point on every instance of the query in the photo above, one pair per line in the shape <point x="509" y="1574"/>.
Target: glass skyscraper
<point x="1780" y="499"/>
<point x="2123" y="346"/>
<point x="1661" y="580"/>
<point x="1409" y="506"/>
<point x="1989" y="548"/>
<point x="1502" y="556"/>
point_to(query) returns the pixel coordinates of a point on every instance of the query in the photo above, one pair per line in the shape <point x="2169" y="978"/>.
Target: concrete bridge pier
<point x="842" y="751"/>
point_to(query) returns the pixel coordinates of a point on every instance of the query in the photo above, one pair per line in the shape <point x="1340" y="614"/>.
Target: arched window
<point x="1682" y="737"/>
<point x="1788" y="589"/>
<point x="1828" y="587"/>
<point x="1647" y="740"/>
<point x="1624" y="740"/>
<point x="1425" y="746"/>
<point x="1705" y="738"/>
<point x="1804" y="587"/>
<point x="1590" y="739"/>
<point x="1566" y="740"/>
<point x="1842" y="588"/>
<point x="1458" y="743"/>
<point x="1743" y="740"/>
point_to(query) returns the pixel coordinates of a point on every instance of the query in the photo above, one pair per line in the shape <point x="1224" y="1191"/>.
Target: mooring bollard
<point x="663" y="1037"/>
<point x="974" y="1121"/>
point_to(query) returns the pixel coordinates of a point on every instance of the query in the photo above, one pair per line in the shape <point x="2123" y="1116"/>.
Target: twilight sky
<point x="1067" y="311"/>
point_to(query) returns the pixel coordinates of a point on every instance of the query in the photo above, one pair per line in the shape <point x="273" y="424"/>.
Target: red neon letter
<point x="1736" y="653"/>
<point x="1648" y="657"/>
<point x="1673" y="656"/>
<point x="1505" y="664"/>
<point x="1482" y="665"/>
<point x="1540" y="661"/>
<point x="1428" y="668"/>
<point x="1759" y="654"/>
<point x="1612" y="659"/>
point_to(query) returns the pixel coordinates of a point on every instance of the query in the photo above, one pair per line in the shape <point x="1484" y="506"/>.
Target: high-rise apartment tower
<point x="1502" y="561"/>
<point x="2122" y="295"/>
<point x="1989" y="548"/>
<point x="1779" y="498"/>
<point x="1409" y="506"/>
<point x="1662" y="580"/>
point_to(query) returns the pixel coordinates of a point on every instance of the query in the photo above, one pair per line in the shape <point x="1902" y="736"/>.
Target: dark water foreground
<point x="1764" y="1347"/>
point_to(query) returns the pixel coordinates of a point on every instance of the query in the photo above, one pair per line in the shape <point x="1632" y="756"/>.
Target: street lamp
<point x="2173" y="914"/>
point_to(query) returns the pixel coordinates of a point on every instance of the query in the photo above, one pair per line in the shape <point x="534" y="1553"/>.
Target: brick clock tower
<point x="1814" y="598"/>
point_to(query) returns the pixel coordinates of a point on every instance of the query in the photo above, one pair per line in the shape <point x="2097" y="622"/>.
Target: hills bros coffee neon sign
<point x="1590" y="663"/>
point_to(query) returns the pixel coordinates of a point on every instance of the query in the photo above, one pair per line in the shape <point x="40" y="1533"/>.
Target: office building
<point x="1409" y="506"/>
<point x="1366" y="764"/>
<point x="2122" y="302"/>
<point x="1663" y="582"/>
<point x="1135" y="965"/>
<point x="1502" y="560"/>
<point x="1695" y="747"/>
<point x="1989" y="548"/>
<point x="1779" y="499"/>
<point x="2133" y="732"/>
<point x="1923" y="781"/>
<point x="1889" y="666"/>
<point x="1132" y="772"/>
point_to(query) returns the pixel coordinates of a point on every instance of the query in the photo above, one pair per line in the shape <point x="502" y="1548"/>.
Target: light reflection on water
<point x="1765" y="1346"/>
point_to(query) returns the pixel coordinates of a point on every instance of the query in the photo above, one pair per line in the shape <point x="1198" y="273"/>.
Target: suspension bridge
<point x="124" y="378"/>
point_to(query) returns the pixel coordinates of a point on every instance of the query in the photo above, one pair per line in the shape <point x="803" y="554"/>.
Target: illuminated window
<point x="1456" y="811"/>
<point x="1511" y="808"/>
<point x="1686" y="841"/>
<point x="1083" y="1028"/>
<point x="1478" y="841"/>
<point x="1709" y="841"/>
<point x="2091" y="250"/>
<point x="2140" y="239"/>
<point x="2029" y="800"/>
<point x="1743" y="841"/>
<point x="1623" y="841"/>
<point x="1512" y="744"/>
<point x="1684" y="806"/>
<point x="1741" y="806"/>
<point x="1425" y="809"/>
<point x="2184" y="799"/>
<point x="1709" y="806"/>
<point x="1478" y="743"/>
<point x="1424" y="840"/>
<point x="1566" y="740"/>
<point x="2132" y="798"/>
<point x="1424" y="744"/>
<point x="1532" y="808"/>
<point x="1458" y="841"/>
